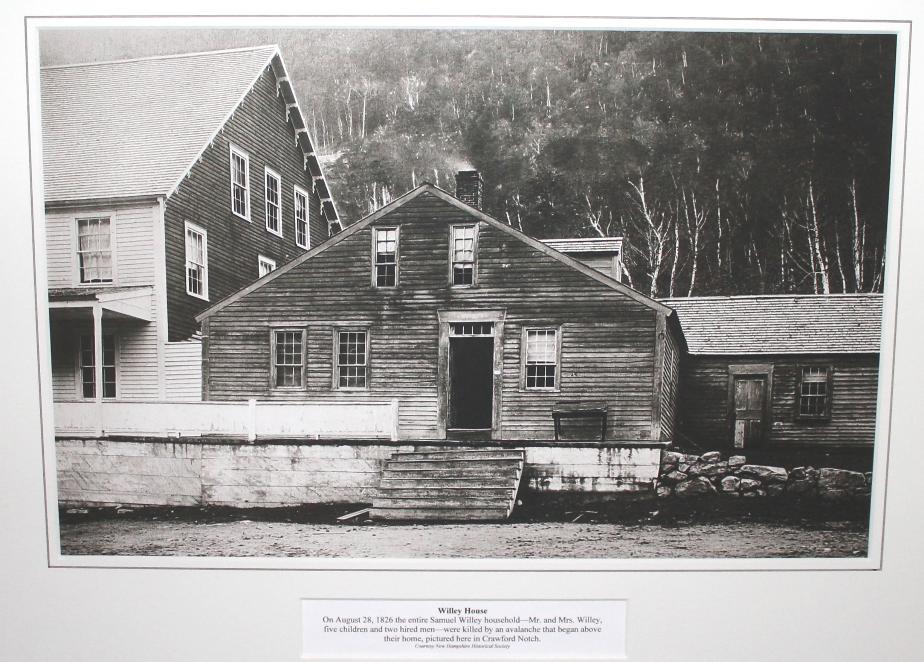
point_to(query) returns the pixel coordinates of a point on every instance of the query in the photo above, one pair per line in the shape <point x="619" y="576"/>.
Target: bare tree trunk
<point x="840" y="262"/>
<point x="656" y="226"/>
<point x="817" y="243"/>
<point x="859" y="239"/>
<point x="673" y="278"/>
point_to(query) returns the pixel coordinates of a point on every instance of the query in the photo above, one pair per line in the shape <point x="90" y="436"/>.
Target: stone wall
<point x="199" y="472"/>
<point x="684" y="475"/>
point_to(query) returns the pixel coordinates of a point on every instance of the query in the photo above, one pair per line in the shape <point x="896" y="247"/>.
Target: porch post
<point x="98" y="364"/>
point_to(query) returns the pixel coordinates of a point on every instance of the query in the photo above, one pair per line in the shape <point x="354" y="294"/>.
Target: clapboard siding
<point x="607" y="338"/>
<point x="183" y="370"/>
<point x="706" y="410"/>
<point x="133" y="244"/>
<point x="259" y="126"/>
<point x="670" y="383"/>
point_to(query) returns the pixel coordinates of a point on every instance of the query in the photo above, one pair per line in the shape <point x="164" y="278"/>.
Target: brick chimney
<point x="470" y="187"/>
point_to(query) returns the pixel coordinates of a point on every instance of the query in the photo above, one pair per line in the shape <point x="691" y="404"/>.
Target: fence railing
<point x="252" y="419"/>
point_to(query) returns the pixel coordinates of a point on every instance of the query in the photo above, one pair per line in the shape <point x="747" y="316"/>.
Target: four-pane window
<point x="94" y="250"/>
<point x="301" y="218"/>
<point x="541" y="359"/>
<point x="273" y="186"/>
<point x="240" y="183"/>
<point x="463" y="255"/>
<point x="814" y="393"/>
<point x="197" y="283"/>
<point x="88" y="366"/>
<point x="352" y="359"/>
<point x="386" y="257"/>
<point x="288" y="357"/>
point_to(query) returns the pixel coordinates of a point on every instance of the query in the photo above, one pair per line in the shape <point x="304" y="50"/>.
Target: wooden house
<point x="170" y="183"/>
<point x="477" y="330"/>
<point x="788" y="379"/>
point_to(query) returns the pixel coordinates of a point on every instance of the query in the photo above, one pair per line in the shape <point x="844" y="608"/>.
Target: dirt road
<point x="512" y="540"/>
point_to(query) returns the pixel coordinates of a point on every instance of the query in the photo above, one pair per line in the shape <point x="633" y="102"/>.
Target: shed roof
<point x="781" y="324"/>
<point x="133" y="128"/>
<point x="585" y="245"/>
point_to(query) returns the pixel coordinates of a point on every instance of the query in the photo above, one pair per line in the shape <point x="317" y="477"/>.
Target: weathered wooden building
<point x="786" y="379"/>
<point x="170" y="182"/>
<point x="475" y="328"/>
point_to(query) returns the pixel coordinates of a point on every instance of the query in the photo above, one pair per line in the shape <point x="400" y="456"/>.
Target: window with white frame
<point x="814" y="395"/>
<point x="463" y="254"/>
<point x="240" y="183"/>
<point x="273" y="186"/>
<point x="87" y="371"/>
<point x="197" y="259"/>
<point x="386" y="257"/>
<point x="94" y="250"/>
<point x="540" y="359"/>
<point x="266" y="265"/>
<point x="302" y="238"/>
<point x="352" y="359"/>
<point x="288" y="358"/>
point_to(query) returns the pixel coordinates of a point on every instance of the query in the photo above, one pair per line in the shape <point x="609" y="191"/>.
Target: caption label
<point x="485" y="629"/>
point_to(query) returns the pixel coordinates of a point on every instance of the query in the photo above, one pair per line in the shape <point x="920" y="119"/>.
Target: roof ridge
<point x="159" y="57"/>
<point x="715" y="297"/>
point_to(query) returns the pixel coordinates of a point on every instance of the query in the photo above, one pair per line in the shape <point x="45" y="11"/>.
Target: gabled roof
<point x="781" y="324"/>
<point x="426" y="187"/>
<point x="134" y="128"/>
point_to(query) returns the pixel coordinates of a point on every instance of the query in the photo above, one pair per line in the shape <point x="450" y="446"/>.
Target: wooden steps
<point x="457" y="484"/>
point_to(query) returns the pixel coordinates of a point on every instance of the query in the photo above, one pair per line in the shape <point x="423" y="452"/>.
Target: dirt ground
<point x="512" y="540"/>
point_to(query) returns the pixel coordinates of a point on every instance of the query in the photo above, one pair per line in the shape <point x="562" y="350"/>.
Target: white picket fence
<point x="252" y="419"/>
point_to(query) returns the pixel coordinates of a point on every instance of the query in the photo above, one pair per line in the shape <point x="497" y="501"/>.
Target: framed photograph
<point x="465" y="337"/>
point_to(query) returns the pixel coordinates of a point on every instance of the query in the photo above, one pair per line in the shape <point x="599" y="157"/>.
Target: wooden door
<point x="750" y="405"/>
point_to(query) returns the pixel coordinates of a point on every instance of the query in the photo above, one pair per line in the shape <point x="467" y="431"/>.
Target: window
<point x="288" y="358"/>
<point x="540" y="358"/>
<point x="94" y="250"/>
<point x="266" y="265"/>
<point x="197" y="270"/>
<point x="240" y="183"/>
<point x="352" y="359"/>
<point x="463" y="254"/>
<point x="814" y="401"/>
<point x="386" y="257"/>
<point x="88" y="366"/>
<point x="302" y="238"/>
<point x="272" y="202"/>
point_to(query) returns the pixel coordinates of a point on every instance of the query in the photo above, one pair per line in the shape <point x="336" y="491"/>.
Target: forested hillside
<point x="732" y="163"/>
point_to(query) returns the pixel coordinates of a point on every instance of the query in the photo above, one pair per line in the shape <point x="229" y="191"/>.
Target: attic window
<point x="385" y="272"/>
<point x="462" y="252"/>
<point x="240" y="183"/>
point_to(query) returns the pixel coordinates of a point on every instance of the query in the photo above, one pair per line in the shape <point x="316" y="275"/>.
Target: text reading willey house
<point x="287" y="318"/>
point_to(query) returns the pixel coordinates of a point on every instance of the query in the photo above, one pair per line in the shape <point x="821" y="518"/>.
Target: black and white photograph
<point x="346" y="293"/>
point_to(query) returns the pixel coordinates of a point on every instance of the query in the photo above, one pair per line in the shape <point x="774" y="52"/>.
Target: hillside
<point x="731" y="162"/>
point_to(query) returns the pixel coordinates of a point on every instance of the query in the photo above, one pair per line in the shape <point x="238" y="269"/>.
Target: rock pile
<point x="685" y="475"/>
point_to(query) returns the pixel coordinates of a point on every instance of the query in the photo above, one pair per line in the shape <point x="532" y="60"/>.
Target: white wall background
<point x="157" y="615"/>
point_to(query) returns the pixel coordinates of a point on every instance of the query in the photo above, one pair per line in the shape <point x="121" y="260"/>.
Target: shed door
<point x="750" y="395"/>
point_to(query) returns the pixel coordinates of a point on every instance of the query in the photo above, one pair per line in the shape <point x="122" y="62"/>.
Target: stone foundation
<point x="684" y="475"/>
<point x="277" y="473"/>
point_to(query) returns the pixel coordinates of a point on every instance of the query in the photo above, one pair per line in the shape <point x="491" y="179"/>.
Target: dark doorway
<point x="471" y="383"/>
<point x="750" y="403"/>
